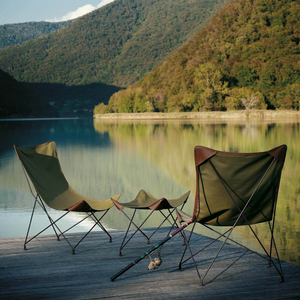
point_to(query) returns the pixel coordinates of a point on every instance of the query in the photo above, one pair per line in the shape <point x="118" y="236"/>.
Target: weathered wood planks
<point x="48" y="270"/>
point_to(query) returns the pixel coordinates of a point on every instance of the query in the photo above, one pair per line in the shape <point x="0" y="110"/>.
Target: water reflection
<point x="103" y="158"/>
<point x="93" y="165"/>
<point x="169" y="146"/>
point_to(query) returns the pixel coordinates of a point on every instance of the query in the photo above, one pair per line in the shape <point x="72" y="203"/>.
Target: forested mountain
<point x="17" y="34"/>
<point x="112" y="47"/>
<point x="17" y="101"/>
<point x="247" y="57"/>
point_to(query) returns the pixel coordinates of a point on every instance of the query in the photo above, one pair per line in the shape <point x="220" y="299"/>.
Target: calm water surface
<point x="103" y="158"/>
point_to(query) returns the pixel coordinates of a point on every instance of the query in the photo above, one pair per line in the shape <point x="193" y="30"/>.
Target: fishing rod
<point x="150" y="251"/>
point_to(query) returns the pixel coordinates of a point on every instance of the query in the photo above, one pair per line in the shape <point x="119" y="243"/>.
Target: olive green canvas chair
<point x="232" y="189"/>
<point x="50" y="188"/>
<point x="145" y="201"/>
<point x="235" y="189"/>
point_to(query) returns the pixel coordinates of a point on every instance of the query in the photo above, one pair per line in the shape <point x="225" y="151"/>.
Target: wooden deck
<point x="48" y="270"/>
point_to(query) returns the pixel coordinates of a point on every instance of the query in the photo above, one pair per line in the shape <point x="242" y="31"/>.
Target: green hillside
<point x="17" y="101"/>
<point x="17" y="34"/>
<point x="114" y="45"/>
<point x="247" y="57"/>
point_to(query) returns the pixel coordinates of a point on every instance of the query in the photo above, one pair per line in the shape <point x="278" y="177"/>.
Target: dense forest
<point x="17" y="101"/>
<point x="115" y="45"/>
<point x="17" y="34"/>
<point x="247" y="57"/>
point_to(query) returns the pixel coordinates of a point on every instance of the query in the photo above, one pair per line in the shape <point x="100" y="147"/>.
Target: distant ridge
<point x="115" y="45"/>
<point x="17" y="101"/>
<point x="17" y="34"/>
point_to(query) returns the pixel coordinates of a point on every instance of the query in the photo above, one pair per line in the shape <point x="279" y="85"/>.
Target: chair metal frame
<point x="227" y="234"/>
<point x="56" y="229"/>
<point x="138" y="227"/>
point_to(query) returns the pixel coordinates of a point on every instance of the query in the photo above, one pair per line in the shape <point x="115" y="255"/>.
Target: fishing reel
<point x="154" y="264"/>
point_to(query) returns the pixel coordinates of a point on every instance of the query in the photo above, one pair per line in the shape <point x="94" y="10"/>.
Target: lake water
<point x="102" y="158"/>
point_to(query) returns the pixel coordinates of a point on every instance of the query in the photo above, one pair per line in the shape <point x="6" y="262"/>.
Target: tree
<point x="250" y="102"/>
<point x="244" y="97"/>
<point x="101" y="109"/>
<point x="208" y="81"/>
<point x="289" y="98"/>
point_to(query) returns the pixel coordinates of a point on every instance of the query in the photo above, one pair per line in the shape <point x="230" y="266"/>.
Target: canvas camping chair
<point x="145" y="201"/>
<point x="50" y="188"/>
<point x="232" y="189"/>
<point x="235" y="189"/>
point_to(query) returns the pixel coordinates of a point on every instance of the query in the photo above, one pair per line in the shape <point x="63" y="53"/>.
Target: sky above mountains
<point x="20" y="11"/>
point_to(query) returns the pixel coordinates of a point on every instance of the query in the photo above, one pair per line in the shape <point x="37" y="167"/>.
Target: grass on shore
<point x="239" y="114"/>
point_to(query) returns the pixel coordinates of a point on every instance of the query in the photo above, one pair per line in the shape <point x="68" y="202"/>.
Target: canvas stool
<point x="145" y="201"/>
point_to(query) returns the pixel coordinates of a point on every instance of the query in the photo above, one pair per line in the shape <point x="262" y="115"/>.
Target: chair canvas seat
<point x="50" y="188"/>
<point x="145" y="201"/>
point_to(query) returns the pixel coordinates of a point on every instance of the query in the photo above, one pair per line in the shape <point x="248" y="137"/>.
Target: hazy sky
<point x="20" y="11"/>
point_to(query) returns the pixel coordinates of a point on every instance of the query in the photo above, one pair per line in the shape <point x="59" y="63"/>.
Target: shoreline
<point x="240" y="114"/>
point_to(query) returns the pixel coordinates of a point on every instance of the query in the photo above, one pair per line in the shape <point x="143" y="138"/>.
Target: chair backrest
<point x="230" y="183"/>
<point x="43" y="168"/>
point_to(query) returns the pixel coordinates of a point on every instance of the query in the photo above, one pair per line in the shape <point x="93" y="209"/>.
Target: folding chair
<point x="235" y="189"/>
<point x="145" y="201"/>
<point x="232" y="189"/>
<point x="49" y="187"/>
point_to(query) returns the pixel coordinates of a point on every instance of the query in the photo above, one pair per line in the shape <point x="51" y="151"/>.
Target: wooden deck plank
<point x="48" y="270"/>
